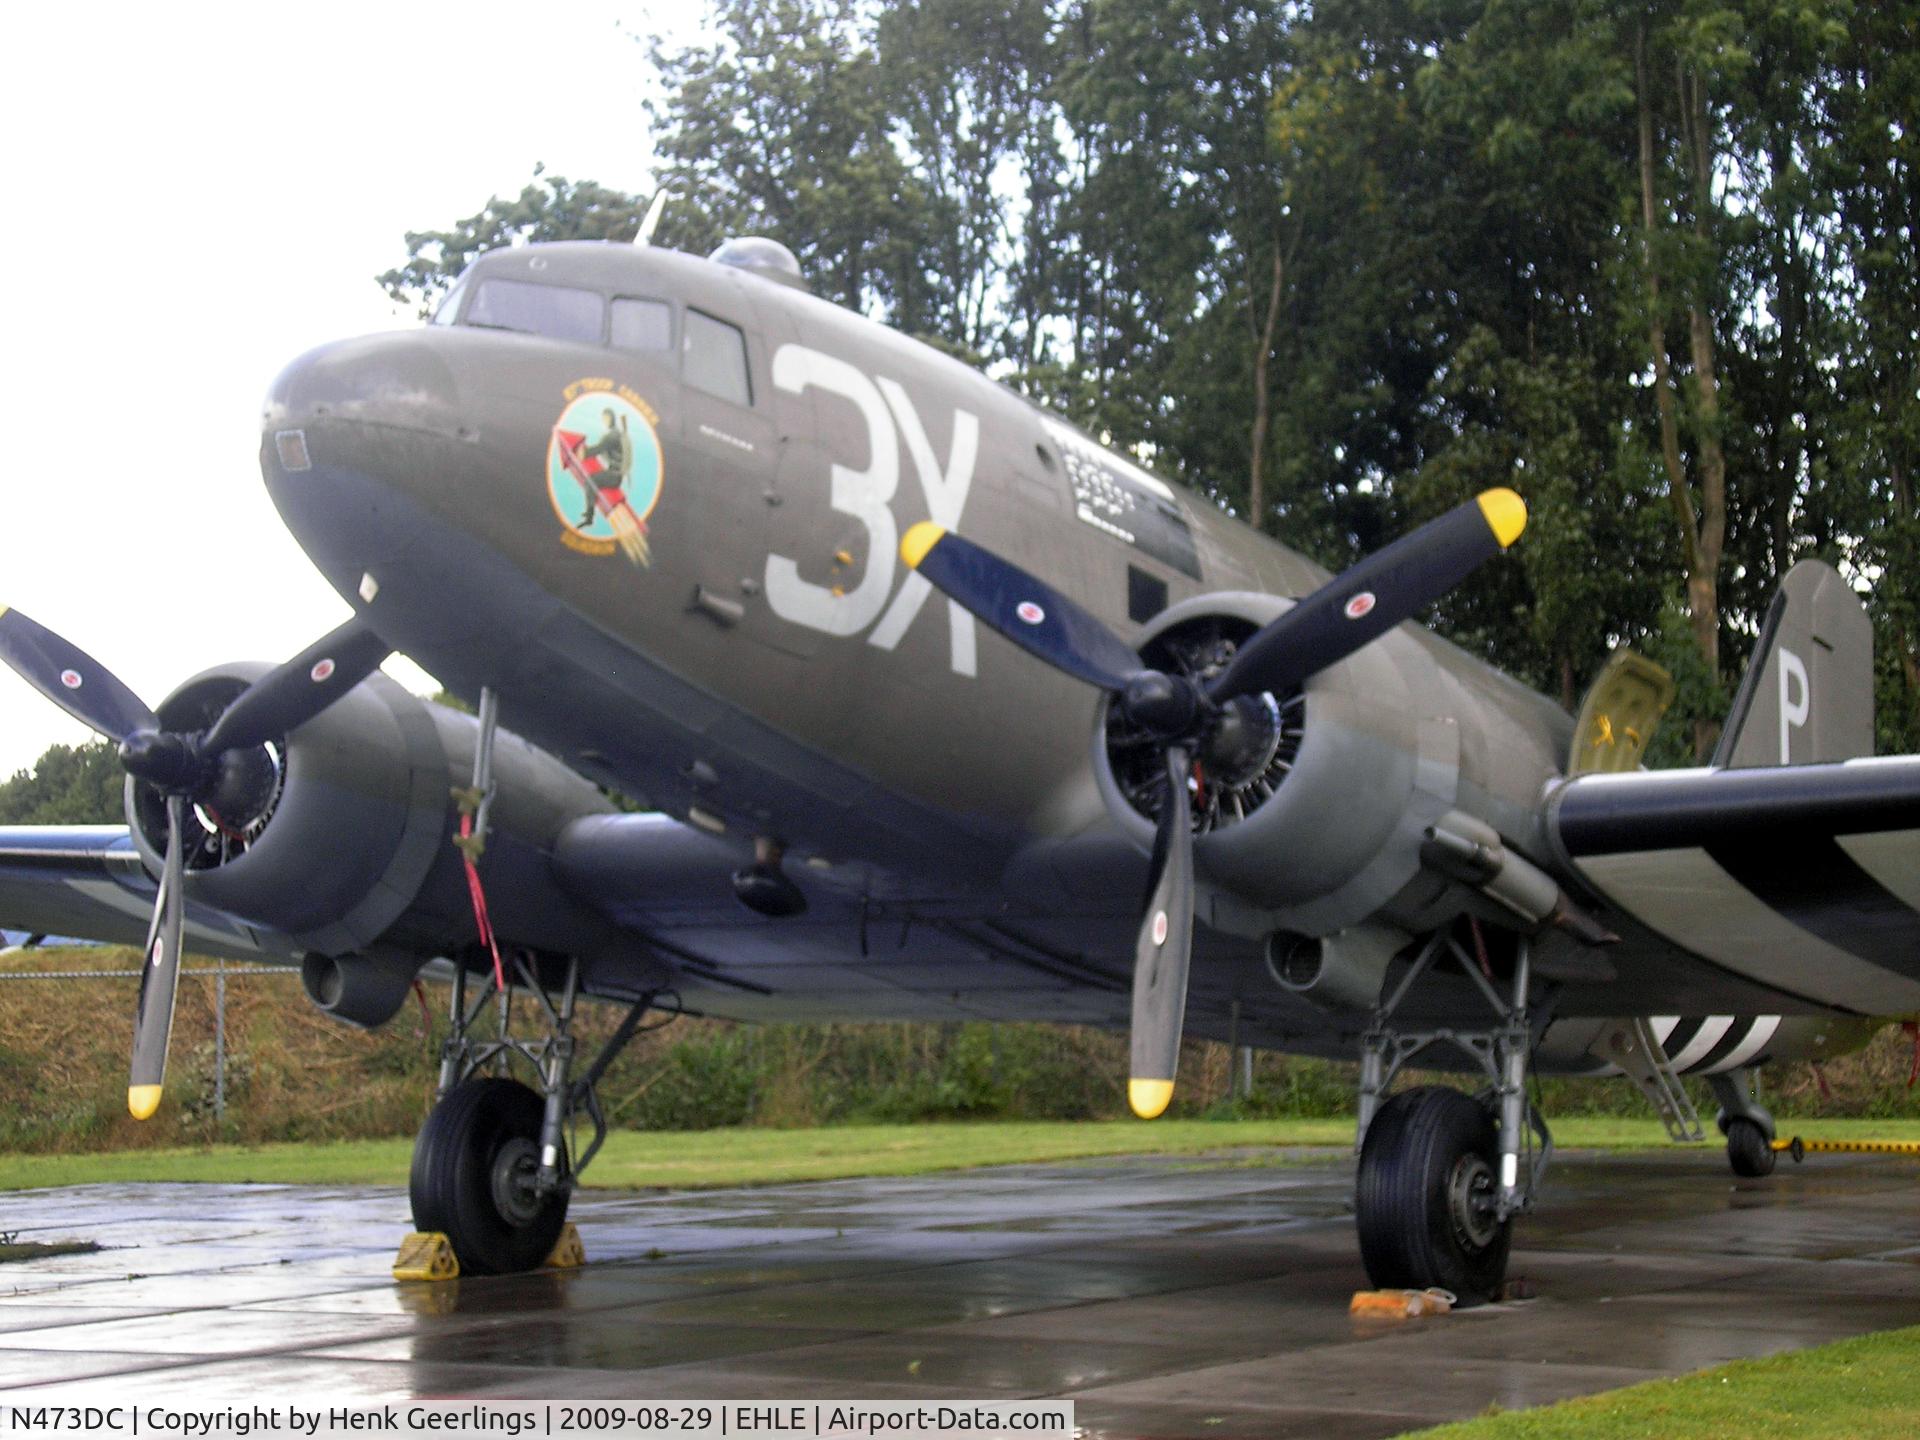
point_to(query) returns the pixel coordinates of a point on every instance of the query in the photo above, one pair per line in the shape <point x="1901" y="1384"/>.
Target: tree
<point x="68" y="785"/>
<point x="1339" y="266"/>
<point x="1866" y="157"/>
<point x="780" y="127"/>
<point x="967" y="88"/>
<point x="549" y="207"/>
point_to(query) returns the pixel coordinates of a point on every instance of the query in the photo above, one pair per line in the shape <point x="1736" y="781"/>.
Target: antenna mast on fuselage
<point x="651" y="223"/>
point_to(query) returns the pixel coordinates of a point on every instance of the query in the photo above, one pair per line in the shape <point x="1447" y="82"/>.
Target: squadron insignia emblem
<point x="604" y="469"/>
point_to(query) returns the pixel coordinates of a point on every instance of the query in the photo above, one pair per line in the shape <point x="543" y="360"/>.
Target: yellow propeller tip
<point x="142" y="1101"/>
<point x="918" y="540"/>
<point x="1149" y="1097"/>
<point x="1506" y="514"/>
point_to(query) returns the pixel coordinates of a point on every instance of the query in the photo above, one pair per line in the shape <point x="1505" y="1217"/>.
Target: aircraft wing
<point x="1781" y="873"/>
<point x="88" y="880"/>
<point x="863" y="948"/>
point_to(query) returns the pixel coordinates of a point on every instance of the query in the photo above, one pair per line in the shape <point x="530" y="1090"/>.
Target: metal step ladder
<point x="1632" y="1045"/>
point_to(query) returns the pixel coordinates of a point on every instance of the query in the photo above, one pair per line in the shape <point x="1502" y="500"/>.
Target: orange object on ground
<point x="1401" y="1304"/>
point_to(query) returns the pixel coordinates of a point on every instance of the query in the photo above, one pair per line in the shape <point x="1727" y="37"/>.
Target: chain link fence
<point x="220" y="970"/>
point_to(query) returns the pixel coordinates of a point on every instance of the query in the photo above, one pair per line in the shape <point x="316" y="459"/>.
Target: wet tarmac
<point x="1167" y="1297"/>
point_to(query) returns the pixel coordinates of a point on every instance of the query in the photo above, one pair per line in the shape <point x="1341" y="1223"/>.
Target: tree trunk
<point x="1703" y="530"/>
<point x="1909" y="656"/>
<point x="1263" y="399"/>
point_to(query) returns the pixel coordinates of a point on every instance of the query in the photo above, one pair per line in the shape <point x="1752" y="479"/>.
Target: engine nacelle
<point x="340" y="839"/>
<point x="1300" y="830"/>
<point x="1328" y="831"/>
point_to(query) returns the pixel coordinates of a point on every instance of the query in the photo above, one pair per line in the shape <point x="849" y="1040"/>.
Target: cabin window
<point x="449" y="309"/>
<point x="558" y="311"/>
<point x="642" y="325"/>
<point x="716" y="358"/>
<point x="1146" y="595"/>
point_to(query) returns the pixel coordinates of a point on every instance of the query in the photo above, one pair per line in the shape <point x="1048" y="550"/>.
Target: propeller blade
<point x="291" y="694"/>
<point x="1030" y="613"/>
<point x="160" y="979"/>
<point x="1162" y="953"/>
<point x="1366" y="601"/>
<point x="71" y="678"/>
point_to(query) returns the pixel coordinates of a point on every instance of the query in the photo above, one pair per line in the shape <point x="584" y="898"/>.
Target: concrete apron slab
<point x="1173" y="1296"/>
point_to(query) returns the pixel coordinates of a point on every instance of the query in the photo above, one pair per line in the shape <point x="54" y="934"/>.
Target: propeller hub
<point x="1168" y="705"/>
<point x="163" y="759"/>
<point x="1244" y="740"/>
<point x="244" y="784"/>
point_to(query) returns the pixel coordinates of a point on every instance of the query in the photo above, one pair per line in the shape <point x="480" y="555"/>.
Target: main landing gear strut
<point x="1443" y="1173"/>
<point x="497" y="1160"/>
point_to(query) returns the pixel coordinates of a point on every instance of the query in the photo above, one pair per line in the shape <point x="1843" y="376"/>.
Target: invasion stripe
<point x="1892" y="858"/>
<point x="1689" y="899"/>
<point x="1731" y="1042"/>
<point x="1731" y="1039"/>
<point x="1681" y="1035"/>
<point x="1811" y="881"/>
<point x="1758" y="1034"/>
<point x="1707" y="1034"/>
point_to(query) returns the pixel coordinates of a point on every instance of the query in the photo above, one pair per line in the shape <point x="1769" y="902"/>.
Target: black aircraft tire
<point x="1426" y="1151"/>
<point x="473" y="1139"/>
<point x="1749" y="1149"/>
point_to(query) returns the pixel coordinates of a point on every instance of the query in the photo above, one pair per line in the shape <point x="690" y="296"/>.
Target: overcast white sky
<point x="197" y="195"/>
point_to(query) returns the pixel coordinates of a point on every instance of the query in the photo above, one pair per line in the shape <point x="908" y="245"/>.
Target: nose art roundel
<point x="604" y="470"/>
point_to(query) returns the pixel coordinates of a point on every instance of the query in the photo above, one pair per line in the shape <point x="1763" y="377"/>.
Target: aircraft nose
<point x="394" y="380"/>
<point x="348" y="431"/>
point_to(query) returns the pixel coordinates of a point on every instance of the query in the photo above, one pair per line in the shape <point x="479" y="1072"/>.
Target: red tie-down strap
<point x="477" y="892"/>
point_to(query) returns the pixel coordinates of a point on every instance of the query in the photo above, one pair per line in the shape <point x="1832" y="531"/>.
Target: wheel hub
<point x="1470" y="1202"/>
<point x="516" y="1192"/>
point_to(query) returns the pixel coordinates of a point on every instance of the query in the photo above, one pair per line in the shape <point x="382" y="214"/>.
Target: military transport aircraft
<point x="925" y="690"/>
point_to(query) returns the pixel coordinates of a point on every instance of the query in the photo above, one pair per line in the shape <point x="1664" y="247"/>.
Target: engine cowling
<point x="338" y="836"/>
<point x="1325" y="831"/>
<point x="1295" y="832"/>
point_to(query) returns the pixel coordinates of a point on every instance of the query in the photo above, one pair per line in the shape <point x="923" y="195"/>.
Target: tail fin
<point x="1808" y="695"/>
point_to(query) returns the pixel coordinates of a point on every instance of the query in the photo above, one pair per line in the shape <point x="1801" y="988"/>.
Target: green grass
<point x="1859" y="1389"/>
<point x="700" y="1158"/>
<point x="708" y="1158"/>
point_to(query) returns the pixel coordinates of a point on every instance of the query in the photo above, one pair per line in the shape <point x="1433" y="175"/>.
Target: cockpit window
<point x="449" y="310"/>
<point x="716" y="358"/>
<point x="642" y="325"/>
<point x="558" y="311"/>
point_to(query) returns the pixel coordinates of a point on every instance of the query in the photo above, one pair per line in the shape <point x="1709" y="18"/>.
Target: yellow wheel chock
<point x="426" y="1255"/>
<point x="567" y="1253"/>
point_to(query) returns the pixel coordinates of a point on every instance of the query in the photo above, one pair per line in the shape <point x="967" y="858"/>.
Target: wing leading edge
<point x="88" y="881"/>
